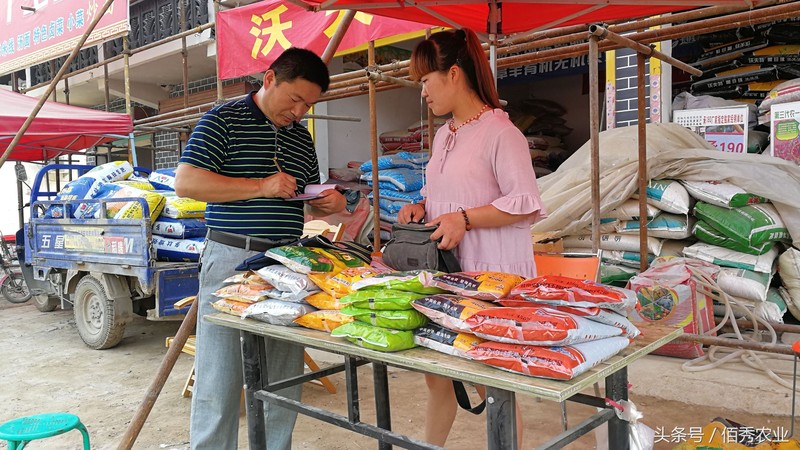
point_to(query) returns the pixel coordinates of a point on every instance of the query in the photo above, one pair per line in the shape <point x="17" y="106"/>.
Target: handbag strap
<point x="463" y="399"/>
<point x="451" y="264"/>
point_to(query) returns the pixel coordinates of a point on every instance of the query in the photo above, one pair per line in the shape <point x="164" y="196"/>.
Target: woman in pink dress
<point x="480" y="187"/>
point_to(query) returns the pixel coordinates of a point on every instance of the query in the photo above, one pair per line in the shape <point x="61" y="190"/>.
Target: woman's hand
<point x="411" y="213"/>
<point x="451" y="230"/>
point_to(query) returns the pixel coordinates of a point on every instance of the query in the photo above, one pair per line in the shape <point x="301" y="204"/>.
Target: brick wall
<point x="626" y="103"/>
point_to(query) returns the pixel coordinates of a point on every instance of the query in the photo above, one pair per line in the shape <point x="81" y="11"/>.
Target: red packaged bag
<point x="536" y="325"/>
<point x="566" y="291"/>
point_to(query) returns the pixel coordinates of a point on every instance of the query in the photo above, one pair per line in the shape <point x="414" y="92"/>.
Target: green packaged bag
<point x="396" y="320"/>
<point x="410" y="281"/>
<point x="708" y="234"/>
<point x="382" y="299"/>
<point x="751" y="225"/>
<point x="375" y="338"/>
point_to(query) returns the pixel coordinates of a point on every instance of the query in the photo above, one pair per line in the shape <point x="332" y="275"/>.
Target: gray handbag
<point x="411" y="248"/>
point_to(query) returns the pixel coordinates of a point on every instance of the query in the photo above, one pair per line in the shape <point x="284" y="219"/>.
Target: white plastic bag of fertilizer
<point x="110" y="172"/>
<point x="750" y="225"/>
<point x="666" y="226"/>
<point x="722" y="194"/>
<point x="668" y="195"/>
<point x="614" y="241"/>
<point x="277" y="312"/>
<point x="178" y="250"/>
<point x="731" y="258"/>
<point x="744" y="283"/>
<point x="179" y="228"/>
<point x="286" y="279"/>
<point x="163" y="179"/>
<point x="627" y="259"/>
<point x="789" y="270"/>
<point x="629" y="210"/>
<point x="559" y="363"/>
<point x="91" y="210"/>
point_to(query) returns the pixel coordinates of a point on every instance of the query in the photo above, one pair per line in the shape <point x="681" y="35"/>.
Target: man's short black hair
<point x="301" y="63"/>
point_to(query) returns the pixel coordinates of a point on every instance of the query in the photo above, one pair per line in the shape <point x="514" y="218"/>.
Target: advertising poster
<point x="724" y="128"/>
<point x="784" y="131"/>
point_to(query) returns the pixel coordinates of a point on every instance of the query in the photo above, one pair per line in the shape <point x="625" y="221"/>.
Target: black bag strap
<point x="463" y="399"/>
<point x="451" y="264"/>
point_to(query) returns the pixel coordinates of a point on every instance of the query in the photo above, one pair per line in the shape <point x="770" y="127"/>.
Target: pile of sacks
<point x="412" y="139"/>
<point x="179" y="233"/>
<point x="716" y="222"/>
<point x="553" y="327"/>
<point x="400" y="178"/>
<point x="177" y="223"/>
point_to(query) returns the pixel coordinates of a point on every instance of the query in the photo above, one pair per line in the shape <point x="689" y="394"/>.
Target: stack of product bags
<point x="551" y="327"/>
<point x="400" y="177"/>
<point x="742" y="233"/>
<point x="669" y="230"/>
<point x="273" y="294"/>
<point x="412" y="139"/>
<point x="735" y="229"/>
<point x="382" y="307"/>
<point x="179" y="233"/>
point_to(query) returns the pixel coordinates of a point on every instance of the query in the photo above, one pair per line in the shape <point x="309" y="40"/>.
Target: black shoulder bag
<point x="411" y="248"/>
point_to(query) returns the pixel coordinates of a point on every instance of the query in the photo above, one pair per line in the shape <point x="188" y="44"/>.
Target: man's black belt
<point x="244" y="242"/>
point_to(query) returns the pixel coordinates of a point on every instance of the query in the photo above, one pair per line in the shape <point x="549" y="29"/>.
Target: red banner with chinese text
<point x="249" y="38"/>
<point x="33" y="31"/>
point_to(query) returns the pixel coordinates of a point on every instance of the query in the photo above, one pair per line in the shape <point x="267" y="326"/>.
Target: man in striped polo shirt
<point x="244" y="158"/>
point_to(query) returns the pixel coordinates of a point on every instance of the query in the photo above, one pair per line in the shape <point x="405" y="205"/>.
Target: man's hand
<point x="411" y="213"/>
<point x="331" y="201"/>
<point x="279" y="185"/>
<point x="451" y="229"/>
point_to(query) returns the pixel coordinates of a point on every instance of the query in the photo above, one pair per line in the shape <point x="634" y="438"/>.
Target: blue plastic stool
<point x="19" y="432"/>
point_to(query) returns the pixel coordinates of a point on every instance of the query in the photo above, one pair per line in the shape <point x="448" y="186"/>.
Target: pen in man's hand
<point x="277" y="164"/>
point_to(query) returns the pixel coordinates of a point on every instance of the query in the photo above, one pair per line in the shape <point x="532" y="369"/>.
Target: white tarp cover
<point x="673" y="152"/>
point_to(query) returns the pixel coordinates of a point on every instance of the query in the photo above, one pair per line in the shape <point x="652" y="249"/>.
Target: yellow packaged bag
<point x="133" y="209"/>
<point x="340" y="284"/>
<point x="480" y="285"/>
<point x="323" y="300"/>
<point x="323" y="320"/>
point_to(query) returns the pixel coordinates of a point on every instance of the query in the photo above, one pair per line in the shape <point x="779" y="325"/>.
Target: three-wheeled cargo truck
<point x="103" y="269"/>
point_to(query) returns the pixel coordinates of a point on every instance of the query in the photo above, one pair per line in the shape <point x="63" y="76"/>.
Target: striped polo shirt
<point x="237" y="140"/>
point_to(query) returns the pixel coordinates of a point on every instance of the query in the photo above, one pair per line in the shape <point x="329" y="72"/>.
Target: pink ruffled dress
<point x="486" y="162"/>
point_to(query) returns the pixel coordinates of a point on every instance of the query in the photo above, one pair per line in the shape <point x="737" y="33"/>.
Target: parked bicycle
<point x="12" y="284"/>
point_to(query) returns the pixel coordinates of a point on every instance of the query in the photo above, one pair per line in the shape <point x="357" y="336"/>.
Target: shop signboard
<point x="785" y="132"/>
<point x="724" y="128"/>
<point x="33" y="31"/>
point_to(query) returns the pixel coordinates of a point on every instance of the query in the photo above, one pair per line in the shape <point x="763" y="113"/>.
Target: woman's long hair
<point x="462" y="48"/>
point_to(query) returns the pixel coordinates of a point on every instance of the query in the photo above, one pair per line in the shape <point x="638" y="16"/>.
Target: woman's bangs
<point x="423" y="60"/>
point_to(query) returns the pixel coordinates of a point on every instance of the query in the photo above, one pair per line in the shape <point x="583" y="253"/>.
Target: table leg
<point x="351" y="379"/>
<point x="382" y="410"/>
<point x="501" y="419"/>
<point x="617" y="389"/>
<point x="255" y="377"/>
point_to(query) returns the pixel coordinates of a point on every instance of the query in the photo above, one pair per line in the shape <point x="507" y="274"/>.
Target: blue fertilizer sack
<point x="408" y="197"/>
<point x="404" y="180"/>
<point x="399" y="160"/>
<point x="179" y="228"/>
<point x="163" y="179"/>
<point x="178" y="250"/>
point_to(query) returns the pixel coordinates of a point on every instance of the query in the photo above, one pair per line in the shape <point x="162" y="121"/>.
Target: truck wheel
<point x="45" y="303"/>
<point x="96" y="316"/>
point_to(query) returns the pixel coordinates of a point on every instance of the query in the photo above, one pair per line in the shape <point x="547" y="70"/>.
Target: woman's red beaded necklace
<point x="451" y="122"/>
